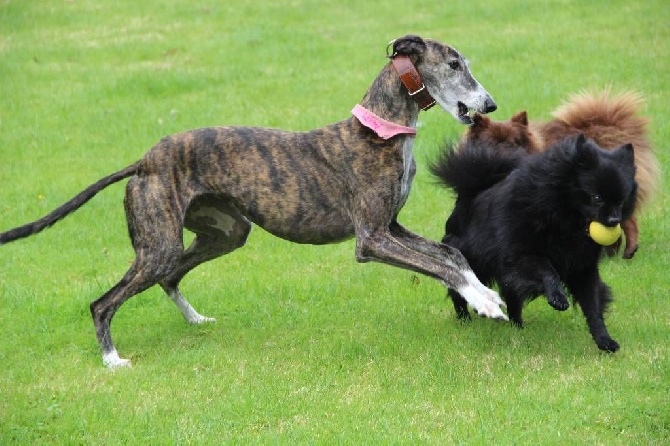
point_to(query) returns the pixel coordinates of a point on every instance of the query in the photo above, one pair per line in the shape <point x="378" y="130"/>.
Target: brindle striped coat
<point x="317" y="187"/>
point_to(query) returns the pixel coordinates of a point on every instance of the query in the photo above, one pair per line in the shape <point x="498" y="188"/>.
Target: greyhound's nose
<point x="489" y="106"/>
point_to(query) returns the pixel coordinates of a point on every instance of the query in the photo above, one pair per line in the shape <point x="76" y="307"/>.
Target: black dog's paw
<point x="463" y="315"/>
<point x="558" y="302"/>
<point x="608" y="344"/>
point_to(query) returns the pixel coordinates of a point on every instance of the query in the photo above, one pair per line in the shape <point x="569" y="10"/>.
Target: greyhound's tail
<point x="67" y="208"/>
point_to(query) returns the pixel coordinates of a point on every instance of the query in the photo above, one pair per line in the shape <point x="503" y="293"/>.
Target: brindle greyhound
<point x="316" y="187"/>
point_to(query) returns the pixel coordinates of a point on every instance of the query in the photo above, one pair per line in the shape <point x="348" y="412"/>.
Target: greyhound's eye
<point x="454" y="64"/>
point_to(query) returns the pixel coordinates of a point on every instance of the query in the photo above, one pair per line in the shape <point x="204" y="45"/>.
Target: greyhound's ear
<point x="409" y="44"/>
<point x="521" y="118"/>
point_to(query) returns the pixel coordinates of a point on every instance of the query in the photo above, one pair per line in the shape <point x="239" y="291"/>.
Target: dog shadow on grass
<point x="545" y="332"/>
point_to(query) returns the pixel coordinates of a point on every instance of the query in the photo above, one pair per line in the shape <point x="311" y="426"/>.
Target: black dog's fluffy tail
<point x="67" y="208"/>
<point x="473" y="168"/>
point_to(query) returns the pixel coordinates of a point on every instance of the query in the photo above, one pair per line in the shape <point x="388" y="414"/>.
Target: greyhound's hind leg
<point x="219" y="229"/>
<point x="145" y="272"/>
<point x="158" y="248"/>
<point x="190" y="314"/>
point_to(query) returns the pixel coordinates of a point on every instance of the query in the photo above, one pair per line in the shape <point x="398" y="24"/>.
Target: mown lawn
<point x="309" y="346"/>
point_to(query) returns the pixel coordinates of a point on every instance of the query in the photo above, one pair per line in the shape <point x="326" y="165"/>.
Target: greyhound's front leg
<point x="455" y="273"/>
<point x="448" y="254"/>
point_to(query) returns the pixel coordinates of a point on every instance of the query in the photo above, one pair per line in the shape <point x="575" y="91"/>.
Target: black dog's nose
<point x="490" y="106"/>
<point x="613" y="221"/>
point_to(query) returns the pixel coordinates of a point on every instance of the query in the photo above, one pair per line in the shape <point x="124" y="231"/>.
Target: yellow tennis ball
<point x="604" y="235"/>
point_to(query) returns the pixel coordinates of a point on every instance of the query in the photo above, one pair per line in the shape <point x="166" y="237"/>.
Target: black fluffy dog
<point x="522" y="221"/>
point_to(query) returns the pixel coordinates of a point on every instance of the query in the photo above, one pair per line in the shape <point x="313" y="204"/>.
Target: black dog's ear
<point x="409" y="44"/>
<point x="586" y="153"/>
<point x="625" y="154"/>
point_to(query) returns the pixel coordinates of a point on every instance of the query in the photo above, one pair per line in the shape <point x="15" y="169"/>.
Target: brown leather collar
<point x="412" y="81"/>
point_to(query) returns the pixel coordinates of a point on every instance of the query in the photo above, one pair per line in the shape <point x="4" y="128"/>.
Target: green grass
<point x="309" y="347"/>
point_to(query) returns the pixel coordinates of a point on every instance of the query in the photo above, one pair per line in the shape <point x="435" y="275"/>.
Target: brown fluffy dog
<point x="610" y="120"/>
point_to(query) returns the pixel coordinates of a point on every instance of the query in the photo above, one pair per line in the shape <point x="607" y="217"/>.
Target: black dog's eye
<point x="454" y="64"/>
<point x="597" y="200"/>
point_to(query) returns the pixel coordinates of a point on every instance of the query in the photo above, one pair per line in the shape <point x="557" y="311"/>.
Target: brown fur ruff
<point x="611" y="121"/>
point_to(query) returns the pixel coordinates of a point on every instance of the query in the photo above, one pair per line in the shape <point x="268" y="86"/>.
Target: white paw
<point x="494" y="297"/>
<point x="113" y="361"/>
<point x="492" y="311"/>
<point x="189" y="313"/>
<point x="488" y="293"/>
<point x="200" y="319"/>
<point x="485" y="304"/>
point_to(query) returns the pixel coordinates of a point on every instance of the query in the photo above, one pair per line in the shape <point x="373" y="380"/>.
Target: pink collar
<point x="381" y="127"/>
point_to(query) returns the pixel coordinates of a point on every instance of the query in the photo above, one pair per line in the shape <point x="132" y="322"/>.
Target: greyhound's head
<point x="447" y="77"/>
